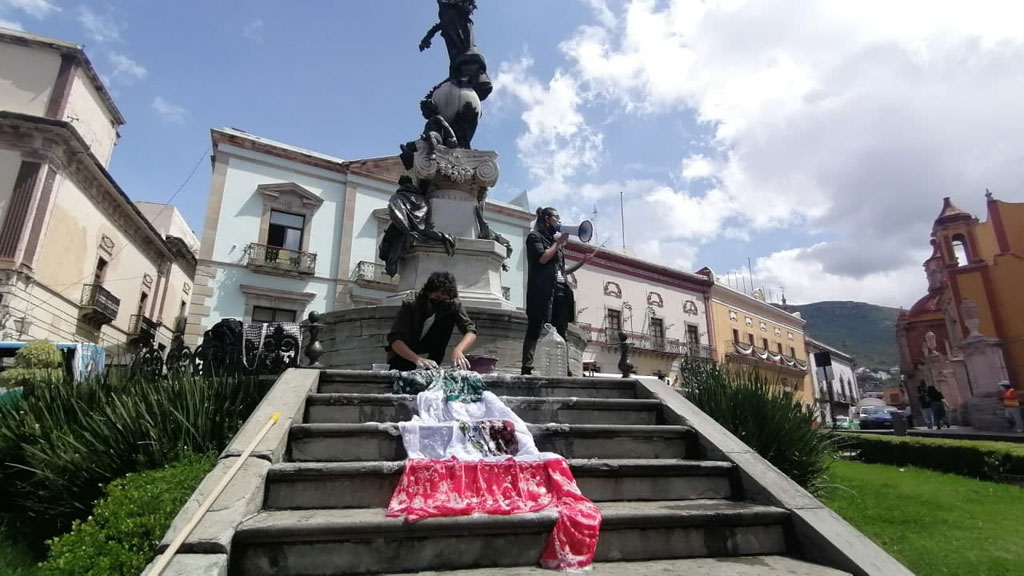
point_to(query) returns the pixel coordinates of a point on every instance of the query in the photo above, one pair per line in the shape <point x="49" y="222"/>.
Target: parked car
<point x="845" y="423"/>
<point x="876" y="417"/>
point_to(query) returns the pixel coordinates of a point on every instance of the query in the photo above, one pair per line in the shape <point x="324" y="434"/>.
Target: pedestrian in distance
<point x="926" y="407"/>
<point x="1011" y="403"/>
<point x="938" y="403"/>
<point x="423" y="325"/>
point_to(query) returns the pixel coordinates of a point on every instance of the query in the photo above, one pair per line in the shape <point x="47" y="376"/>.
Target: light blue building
<point x="288" y="231"/>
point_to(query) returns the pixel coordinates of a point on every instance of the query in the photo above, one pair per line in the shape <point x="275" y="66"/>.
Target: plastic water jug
<point x="552" y="356"/>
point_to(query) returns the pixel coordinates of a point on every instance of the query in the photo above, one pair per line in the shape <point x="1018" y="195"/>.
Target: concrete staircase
<point x="667" y="509"/>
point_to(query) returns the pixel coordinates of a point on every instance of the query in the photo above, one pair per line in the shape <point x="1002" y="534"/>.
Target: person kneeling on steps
<point x="419" y="336"/>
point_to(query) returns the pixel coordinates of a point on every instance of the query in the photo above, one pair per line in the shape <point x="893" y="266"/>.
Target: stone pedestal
<point x="355" y="339"/>
<point x="461" y="179"/>
<point x="476" y="266"/>
<point x="985" y="364"/>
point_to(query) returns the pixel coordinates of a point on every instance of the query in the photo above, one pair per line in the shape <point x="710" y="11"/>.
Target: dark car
<point x="876" y="417"/>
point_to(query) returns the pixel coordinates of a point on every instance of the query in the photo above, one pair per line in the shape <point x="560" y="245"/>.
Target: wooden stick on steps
<point x="168" y="554"/>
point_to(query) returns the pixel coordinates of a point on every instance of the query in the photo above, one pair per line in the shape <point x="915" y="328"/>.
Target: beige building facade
<point x="662" y="311"/>
<point x="748" y="331"/>
<point x="79" y="261"/>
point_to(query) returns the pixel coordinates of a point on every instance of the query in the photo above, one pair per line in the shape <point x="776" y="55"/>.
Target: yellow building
<point x="747" y="331"/>
<point x="967" y="334"/>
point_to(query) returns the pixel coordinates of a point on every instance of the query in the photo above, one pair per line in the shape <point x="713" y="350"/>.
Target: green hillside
<point x="865" y="331"/>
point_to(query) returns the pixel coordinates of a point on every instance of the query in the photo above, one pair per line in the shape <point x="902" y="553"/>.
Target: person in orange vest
<point x="1011" y="402"/>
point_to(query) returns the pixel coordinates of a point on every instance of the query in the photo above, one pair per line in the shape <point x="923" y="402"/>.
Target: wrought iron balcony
<point x="99" y="306"/>
<point x="141" y="327"/>
<point x="648" y="342"/>
<point x="761" y="357"/>
<point x="279" y="260"/>
<point x="372" y="275"/>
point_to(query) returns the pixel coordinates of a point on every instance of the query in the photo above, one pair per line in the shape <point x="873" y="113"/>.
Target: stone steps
<point x="360" y="408"/>
<point x="364" y="541"/>
<point x="362" y="382"/>
<point x="729" y="566"/>
<point x="309" y="485"/>
<point x="382" y="441"/>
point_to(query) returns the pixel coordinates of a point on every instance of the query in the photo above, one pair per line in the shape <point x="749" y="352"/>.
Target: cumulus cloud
<point x="100" y="27"/>
<point x="168" y="111"/>
<point x="126" y="70"/>
<point x="849" y="121"/>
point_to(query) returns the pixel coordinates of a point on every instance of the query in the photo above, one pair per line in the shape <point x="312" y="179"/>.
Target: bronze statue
<point x="410" y="222"/>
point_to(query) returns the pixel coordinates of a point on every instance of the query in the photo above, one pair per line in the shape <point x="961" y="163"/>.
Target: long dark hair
<point x="443" y="282"/>
<point x="542" y="215"/>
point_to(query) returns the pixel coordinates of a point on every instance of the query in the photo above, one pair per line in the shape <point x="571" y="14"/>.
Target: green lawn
<point x="15" y="558"/>
<point x="936" y="524"/>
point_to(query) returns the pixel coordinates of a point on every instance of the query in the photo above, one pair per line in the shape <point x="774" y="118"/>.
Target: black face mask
<point x="441" y="305"/>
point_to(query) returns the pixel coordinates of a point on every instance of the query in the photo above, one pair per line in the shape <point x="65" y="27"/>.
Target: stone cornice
<point x="304" y="297"/>
<point x="636" y="268"/>
<point x="59" y="144"/>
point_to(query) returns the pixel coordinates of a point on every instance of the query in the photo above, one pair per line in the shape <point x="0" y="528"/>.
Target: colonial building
<point x="79" y="262"/>
<point x="835" y="389"/>
<point x="289" y="231"/>
<point x="967" y="333"/>
<point x="663" y="312"/>
<point x="748" y="331"/>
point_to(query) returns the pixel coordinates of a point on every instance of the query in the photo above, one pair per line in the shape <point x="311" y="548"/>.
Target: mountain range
<point x="865" y="331"/>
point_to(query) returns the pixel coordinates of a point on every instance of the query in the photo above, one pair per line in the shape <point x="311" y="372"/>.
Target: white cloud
<point x="168" y="111"/>
<point x="12" y="24"/>
<point x="254" y="31"/>
<point x="126" y="70"/>
<point x="100" y="27"/>
<point x="557" y="143"/>
<point x="848" y="120"/>
<point x="36" y="8"/>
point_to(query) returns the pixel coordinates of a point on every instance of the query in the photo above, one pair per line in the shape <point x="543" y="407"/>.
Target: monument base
<point x="476" y="266"/>
<point x="356" y="338"/>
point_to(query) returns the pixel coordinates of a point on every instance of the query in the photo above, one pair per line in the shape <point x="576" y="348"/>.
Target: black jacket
<point x="409" y="322"/>
<point x="540" y="284"/>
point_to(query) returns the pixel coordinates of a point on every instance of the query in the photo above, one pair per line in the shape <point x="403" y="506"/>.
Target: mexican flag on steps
<point x="470" y="454"/>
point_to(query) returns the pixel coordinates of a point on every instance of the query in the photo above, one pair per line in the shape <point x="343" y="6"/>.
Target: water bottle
<point x="552" y="356"/>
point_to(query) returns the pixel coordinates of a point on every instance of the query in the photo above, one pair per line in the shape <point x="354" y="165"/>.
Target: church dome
<point x="951" y="213"/>
<point x="929" y="304"/>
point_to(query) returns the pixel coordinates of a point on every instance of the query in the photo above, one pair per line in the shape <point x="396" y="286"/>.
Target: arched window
<point x="960" y="252"/>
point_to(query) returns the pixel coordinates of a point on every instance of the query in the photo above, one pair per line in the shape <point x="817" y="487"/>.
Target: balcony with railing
<point x="142" y="328"/>
<point x="762" y="358"/>
<point x="99" y="306"/>
<point x="649" y="342"/>
<point x="275" y="260"/>
<point x="372" y="275"/>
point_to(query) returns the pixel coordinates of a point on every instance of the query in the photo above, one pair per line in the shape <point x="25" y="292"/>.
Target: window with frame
<point x="693" y="334"/>
<point x="143" y="300"/>
<point x="265" y="315"/>
<point x="750" y="339"/>
<point x="764" y="343"/>
<point x="657" y="330"/>
<point x="613" y="319"/>
<point x="101" y="271"/>
<point x="780" y="347"/>
<point x="792" y="352"/>
<point x="285" y="230"/>
<point x="735" y="335"/>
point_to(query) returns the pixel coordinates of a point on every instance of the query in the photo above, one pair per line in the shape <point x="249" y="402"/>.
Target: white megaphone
<point x="585" y="231"/>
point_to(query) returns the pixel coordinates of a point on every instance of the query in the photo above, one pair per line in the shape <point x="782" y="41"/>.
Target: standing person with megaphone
<point x="549" y="299"/>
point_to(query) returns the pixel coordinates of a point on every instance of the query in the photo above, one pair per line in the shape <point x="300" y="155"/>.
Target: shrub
<point x="62" y="443"/>
<point x="765" y="416"/>
<point x="37" y="361"/>
<point x="975" y="459"/>
<point x="126" y="526"/>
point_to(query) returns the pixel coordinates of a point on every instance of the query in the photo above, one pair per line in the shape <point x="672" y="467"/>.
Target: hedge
<point x="121" y="536"/>
<point x="980" y="459"/>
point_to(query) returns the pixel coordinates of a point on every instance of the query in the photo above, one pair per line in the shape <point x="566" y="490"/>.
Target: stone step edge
<point x="582" y="430"/>
<point x="765" y="565"/>
<point x="276" y="526"/>
<point x="580" y="467"/>
<point x="370" y="377"/>
<point x="351" y="399"/>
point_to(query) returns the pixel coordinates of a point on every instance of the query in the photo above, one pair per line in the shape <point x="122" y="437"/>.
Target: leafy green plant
<point x="765" y="416"/>
<point x="971" y="458"/>
<point x="126" y="526"/>
<point x="37" y="361"/>
<point x="62" y="443"/>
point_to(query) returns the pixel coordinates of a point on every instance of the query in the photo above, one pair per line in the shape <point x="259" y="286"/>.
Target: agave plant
<point x="766" y="416"/>
<point x="62" y="443"/>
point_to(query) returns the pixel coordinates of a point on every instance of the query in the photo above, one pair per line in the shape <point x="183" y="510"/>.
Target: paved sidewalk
<point x="956" y="432"/>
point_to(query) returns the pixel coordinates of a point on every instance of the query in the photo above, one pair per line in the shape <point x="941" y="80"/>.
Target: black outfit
<point x="548" y="299"/>
<point x="938" y="407"/>
<point x="409" y="324"/>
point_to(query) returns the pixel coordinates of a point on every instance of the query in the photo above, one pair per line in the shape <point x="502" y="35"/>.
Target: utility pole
<point x="622" y="220"/>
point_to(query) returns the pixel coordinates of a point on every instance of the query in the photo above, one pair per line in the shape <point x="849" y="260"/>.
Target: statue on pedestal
<point x="410" y="222"/>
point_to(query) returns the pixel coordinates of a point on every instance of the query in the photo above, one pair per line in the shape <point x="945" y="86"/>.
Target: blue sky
<point x="817" y="143"/>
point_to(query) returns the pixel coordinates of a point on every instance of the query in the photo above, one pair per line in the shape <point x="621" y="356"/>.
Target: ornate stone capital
<point x="472" y="171"/>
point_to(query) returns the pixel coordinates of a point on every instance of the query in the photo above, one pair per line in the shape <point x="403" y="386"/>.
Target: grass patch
<point x="935" y="524"/>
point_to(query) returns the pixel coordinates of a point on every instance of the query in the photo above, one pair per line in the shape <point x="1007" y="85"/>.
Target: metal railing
<point x="140" y="326"/>
<point x="273" y="257"/>
<point x="641" y="341"/>
<point x="99" y="306"/>
<point x="373" y="273"/>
